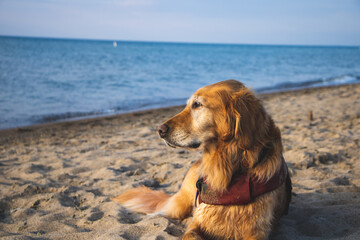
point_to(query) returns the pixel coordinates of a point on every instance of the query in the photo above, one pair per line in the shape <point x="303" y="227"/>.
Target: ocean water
<point x="45" y="80"/>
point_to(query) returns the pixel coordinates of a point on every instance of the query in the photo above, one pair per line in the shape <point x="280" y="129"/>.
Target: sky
<point x="305" y="22"/>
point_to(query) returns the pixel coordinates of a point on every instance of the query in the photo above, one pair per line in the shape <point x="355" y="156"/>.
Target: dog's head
<point x="221" y="112"/>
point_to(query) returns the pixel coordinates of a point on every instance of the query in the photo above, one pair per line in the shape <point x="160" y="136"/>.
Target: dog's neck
<point x="219" y="166"/>
<point x="219" y="162"/>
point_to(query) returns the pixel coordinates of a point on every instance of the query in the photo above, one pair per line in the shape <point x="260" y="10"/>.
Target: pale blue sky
<point x="309" y="22"/>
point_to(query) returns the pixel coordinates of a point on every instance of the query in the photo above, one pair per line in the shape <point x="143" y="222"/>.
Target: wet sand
<point x="56" y="180"/>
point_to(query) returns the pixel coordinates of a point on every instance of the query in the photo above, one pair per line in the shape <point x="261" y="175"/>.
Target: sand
<point x="56" y="180"/>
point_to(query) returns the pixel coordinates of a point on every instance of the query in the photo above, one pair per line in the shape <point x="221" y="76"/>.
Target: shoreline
<point x="57" y="179"/>
<point x="263" y="96"/>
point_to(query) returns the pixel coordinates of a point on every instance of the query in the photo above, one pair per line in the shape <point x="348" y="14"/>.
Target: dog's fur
<point x="229" y="124"/>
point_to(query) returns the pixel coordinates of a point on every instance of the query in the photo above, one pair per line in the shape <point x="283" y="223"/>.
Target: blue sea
<point x="44" y="80"/>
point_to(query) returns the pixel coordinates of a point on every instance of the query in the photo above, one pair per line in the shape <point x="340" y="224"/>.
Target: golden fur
<point x="229" y="124"/>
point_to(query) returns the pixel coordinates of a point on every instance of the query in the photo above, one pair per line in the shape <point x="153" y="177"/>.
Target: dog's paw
<point x="192" y="235"/>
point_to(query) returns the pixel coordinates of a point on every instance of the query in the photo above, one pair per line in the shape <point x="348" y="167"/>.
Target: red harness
<point x="243" y="188"/>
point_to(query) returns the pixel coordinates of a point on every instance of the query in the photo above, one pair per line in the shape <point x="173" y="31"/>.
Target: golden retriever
<point x="236" y="136"/>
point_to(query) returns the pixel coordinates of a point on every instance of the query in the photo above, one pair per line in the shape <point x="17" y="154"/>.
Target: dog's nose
<point x="163" y="129"/>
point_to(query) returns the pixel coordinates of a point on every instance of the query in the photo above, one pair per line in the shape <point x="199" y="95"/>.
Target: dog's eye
<point x="196" y="105"/>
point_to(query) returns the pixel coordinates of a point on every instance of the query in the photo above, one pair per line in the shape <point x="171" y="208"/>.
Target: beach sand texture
<point x="56" y="180"/>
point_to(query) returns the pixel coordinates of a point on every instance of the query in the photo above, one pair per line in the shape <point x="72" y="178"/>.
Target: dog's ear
<point x="226" y="120"/>
<point x="247" y="119"/>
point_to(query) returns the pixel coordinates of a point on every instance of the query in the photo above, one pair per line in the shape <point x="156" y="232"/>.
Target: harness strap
<point x="242" y="190"/>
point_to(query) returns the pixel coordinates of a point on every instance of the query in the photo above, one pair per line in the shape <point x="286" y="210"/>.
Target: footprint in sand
<point x="95" y="215"/>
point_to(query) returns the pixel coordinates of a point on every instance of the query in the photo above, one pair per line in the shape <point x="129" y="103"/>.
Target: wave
<point x="134" y="106"/>
<point x="323" y="82"/>
<point x="144" y="104"/>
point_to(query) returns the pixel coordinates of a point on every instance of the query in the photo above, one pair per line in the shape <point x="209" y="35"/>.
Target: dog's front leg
<point x="181" y="204"/>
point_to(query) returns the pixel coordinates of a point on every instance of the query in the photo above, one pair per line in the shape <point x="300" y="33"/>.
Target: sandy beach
<point x="56" y="180"/>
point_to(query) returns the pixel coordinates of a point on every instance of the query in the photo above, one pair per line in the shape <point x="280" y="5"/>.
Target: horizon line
<point x="178" y="42"/>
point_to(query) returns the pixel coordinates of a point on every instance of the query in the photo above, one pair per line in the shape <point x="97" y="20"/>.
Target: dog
<point x="240" y="187"/>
